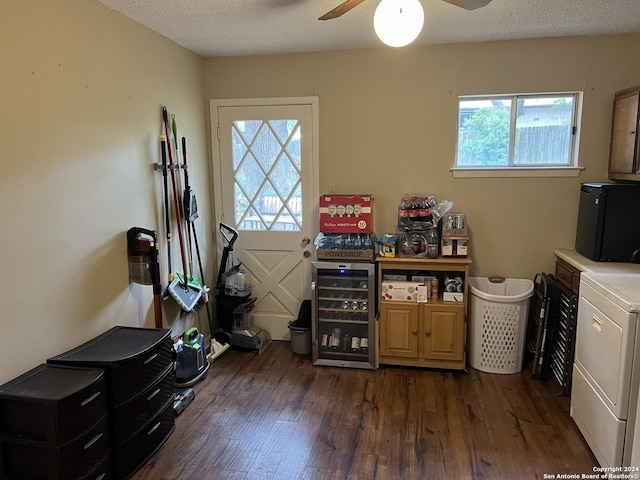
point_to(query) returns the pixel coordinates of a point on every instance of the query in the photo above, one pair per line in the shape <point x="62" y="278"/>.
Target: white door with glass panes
<point x="265" y="171"/>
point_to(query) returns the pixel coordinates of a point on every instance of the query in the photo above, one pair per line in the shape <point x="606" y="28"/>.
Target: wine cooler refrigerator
<point x="343" y="314"/>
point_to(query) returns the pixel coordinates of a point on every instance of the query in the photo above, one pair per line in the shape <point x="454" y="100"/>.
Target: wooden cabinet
<point x="568" y="276"/>
<point x="624" y="152"/>
<point x="399" y="330"/>
<point x="443" y="333"/>
<point x="431" y="334"/>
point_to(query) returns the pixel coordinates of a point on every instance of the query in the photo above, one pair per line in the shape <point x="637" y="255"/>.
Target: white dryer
<point x="606" y="371"/>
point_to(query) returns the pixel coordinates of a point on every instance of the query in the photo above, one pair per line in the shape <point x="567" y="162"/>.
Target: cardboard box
<point x="400" y="291"/>
<point x="346" y="213"/>
<point x="455" y="247"/>
<point x="424" y="279"/>
<point x="387" y="245"/>
<point x="353" y="255"/>
<point x="424" y="293"/>
<point x="454" y="225"/>
<point x="345" y="246"/>
<point x="393" y="277"/>
<point x="453" y="297"/>
<point x="461" y="247"/>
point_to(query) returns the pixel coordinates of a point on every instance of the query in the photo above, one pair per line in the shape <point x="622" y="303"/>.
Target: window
<point x="267" y="174"/>
<point x="529" y="131"/>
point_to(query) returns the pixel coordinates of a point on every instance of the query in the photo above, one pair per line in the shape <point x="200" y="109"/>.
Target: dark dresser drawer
<point x="133" y="415"/>
<point x="139" y="370"/>
<point x="132" y="378"/>
<point x="52" y="404"/>
<point x="101" y="472"/>
<point x="37" y="460"/>
<point x="134" y="452"/>
<point x="568" y="275"/>
<point x="134" y="357"/>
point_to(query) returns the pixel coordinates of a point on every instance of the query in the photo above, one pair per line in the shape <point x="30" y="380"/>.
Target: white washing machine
<point x="606" y="371"/>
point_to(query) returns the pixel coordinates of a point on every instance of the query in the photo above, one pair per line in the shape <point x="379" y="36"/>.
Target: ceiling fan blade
<point x="341" y="9"/>
<point x="469" y="4"/>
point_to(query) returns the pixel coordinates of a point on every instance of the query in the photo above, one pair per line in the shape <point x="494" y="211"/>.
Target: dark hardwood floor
<point x="276" y="416"/>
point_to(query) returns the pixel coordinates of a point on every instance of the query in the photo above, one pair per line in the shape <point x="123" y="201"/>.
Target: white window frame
<point x="571" y="170"/>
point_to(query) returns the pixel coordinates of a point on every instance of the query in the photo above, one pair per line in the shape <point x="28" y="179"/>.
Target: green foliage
<point x="484" y="138"/>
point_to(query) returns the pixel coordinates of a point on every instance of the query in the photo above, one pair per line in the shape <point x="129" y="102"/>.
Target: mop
<point x="190" y="209"/>
<point x="185" y="206"/>
<point x="184" y="293"/>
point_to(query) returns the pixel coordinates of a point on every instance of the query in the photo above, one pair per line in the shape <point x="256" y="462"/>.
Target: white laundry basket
<point x="498" y="313"/>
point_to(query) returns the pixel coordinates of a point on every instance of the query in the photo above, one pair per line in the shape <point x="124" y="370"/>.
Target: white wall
<point x="82" y="90"/>
<point x="388" y="126"/>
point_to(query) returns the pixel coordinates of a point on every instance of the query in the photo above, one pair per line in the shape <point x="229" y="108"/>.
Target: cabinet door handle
<point x="153" y="394"/>
<point x="154" y="428"/>
<point x="90" y="399"/>
<point x="596" y="323"/>
<point x="415" y="332"/>
<point x="150" y="359"/>
<point x="92" y="441"/>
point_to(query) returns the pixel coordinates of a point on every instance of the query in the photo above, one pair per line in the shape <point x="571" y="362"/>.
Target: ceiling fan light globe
<point x="398" y="22"/>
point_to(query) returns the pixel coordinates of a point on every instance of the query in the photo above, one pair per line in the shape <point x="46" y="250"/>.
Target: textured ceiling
<point x="262" y="27"/>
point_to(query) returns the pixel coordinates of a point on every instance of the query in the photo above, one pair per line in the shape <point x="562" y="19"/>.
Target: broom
<point x="185" y="294"/>
<point x="190" y="208"/>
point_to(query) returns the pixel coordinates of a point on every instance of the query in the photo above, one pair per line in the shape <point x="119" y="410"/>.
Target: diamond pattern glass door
<point x="265" y="186"/>
<point x="267" y="175"/>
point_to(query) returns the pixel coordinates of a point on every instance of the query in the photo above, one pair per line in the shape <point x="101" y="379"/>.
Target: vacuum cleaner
<point x="191" y="364"/>
<point x="234" y="301"/>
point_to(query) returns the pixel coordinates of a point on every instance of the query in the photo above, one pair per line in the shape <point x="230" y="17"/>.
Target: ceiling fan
<point x="350" y="4"/>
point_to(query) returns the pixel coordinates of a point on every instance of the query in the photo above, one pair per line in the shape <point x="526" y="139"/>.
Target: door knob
<point x="305" y="241"/>
<point x="306" y="254"/>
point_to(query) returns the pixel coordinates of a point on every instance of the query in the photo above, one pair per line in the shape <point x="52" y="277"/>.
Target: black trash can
<point x="300" y="330"/>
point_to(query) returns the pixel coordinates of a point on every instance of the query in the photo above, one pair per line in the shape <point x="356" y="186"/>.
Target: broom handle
<point x="185" y="209"/>
<point x="167" y="221"/>
<point x="176" y="202"/>
<point x="157" y="287"/>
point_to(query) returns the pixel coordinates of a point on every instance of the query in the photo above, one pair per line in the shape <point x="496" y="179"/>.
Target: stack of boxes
<point x="455" y="237"/>
<point x="345" y="228"/>
<point x="420" y="288"/>
<point x="426" y="286"/>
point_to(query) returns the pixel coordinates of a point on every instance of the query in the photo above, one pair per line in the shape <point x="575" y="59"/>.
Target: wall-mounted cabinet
<point x="624" y="152"/>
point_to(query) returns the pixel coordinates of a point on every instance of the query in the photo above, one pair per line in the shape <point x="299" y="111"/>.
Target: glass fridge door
<point x="344" y="314"/>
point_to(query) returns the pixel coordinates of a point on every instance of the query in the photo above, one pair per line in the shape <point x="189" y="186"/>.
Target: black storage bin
<point x="135" y="359"/>
<point x="53" y="424"/>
